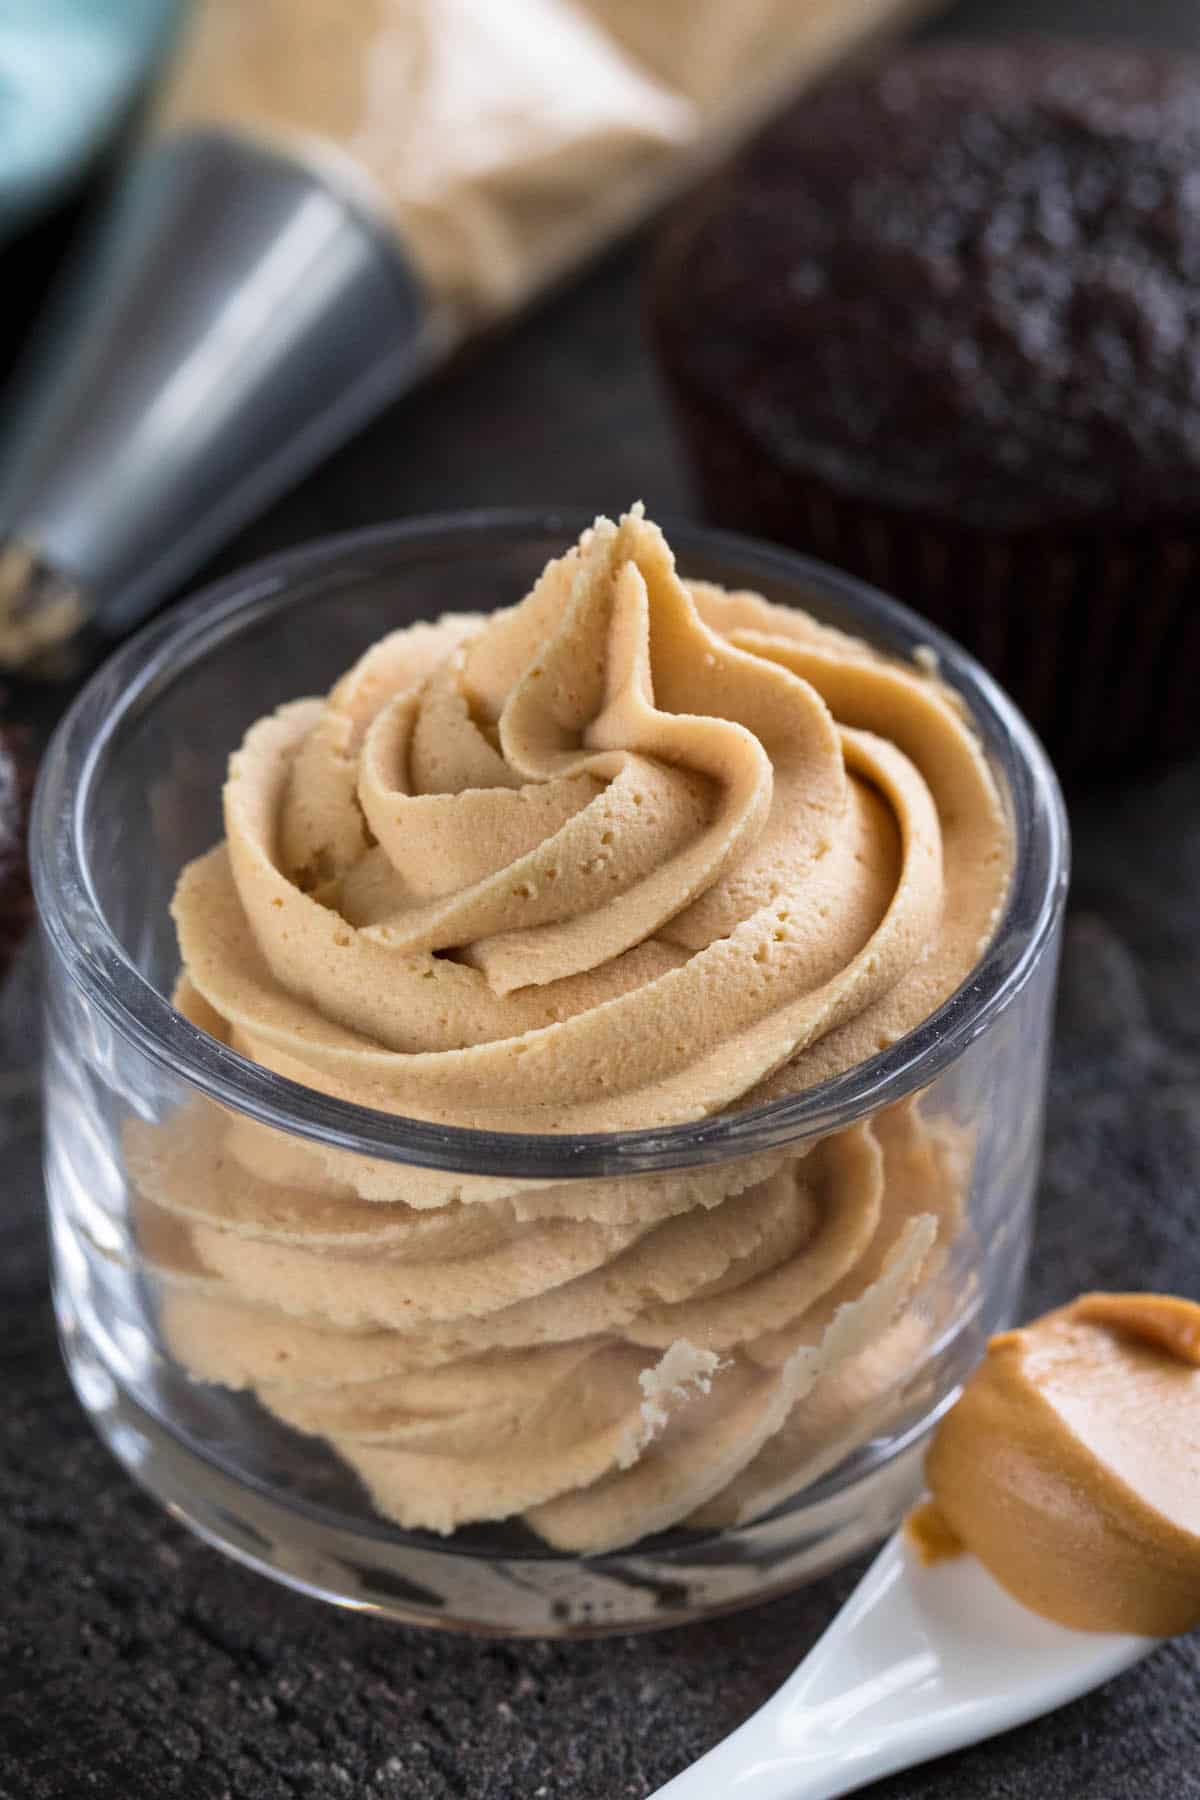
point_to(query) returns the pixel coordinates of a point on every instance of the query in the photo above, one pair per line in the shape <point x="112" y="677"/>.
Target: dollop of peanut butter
<point x="1070" y="1466"/>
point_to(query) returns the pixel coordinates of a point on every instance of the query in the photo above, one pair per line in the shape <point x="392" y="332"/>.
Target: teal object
<point x="70" y="71"/>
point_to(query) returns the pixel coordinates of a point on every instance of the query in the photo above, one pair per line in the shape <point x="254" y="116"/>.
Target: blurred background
<point x="505" y="365"/>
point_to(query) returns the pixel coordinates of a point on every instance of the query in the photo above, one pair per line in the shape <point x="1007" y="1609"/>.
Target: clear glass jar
<point x="131" y="790"/>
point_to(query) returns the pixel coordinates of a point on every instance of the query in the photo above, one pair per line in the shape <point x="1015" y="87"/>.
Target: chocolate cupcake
<point x="941" y="326"/>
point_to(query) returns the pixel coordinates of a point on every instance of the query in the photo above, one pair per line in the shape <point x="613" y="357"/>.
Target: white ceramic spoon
<point x="919" y="1661"/>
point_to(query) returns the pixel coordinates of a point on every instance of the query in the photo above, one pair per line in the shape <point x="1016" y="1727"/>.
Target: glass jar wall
<point x="698" y="1362"/>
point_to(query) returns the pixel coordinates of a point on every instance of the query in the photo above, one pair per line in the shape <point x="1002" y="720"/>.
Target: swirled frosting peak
<point x="630" y="852"/>
<point x="622" y="855"/>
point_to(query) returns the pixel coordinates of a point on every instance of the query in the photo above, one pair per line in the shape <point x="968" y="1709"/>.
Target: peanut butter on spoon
<point x="1070" y="1466"/>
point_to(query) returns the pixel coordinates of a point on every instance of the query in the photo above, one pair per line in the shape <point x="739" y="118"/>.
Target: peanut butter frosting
<point x="629" y="853"/>
<point x="1071" y="1466"/>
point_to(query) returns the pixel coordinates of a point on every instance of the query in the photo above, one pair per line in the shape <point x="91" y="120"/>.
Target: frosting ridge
<point x="1071" y="1465"/>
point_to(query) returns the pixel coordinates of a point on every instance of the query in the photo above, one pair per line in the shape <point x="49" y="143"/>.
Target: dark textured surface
<point x="136" y="1663"/>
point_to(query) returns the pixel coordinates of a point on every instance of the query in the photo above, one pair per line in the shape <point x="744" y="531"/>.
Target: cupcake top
<point x="966" y="282"/>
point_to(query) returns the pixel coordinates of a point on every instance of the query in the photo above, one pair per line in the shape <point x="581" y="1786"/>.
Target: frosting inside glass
<point x="629" y="853"/>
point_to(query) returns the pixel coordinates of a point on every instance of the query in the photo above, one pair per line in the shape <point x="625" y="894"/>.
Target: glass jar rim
<point x="100" y="967"/>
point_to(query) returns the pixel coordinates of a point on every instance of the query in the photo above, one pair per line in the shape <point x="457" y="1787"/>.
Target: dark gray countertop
<point x="136" y="1663"/>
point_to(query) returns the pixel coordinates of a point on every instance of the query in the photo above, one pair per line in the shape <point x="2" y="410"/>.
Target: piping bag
<point x="331" y="195"/>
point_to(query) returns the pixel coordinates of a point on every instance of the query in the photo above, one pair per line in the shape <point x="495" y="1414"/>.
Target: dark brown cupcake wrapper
<point x="1096" y="635"/>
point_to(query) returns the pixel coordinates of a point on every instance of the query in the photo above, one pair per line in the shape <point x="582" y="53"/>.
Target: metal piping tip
<point x="41" y="612"/>
<point x="232" y="318"/>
